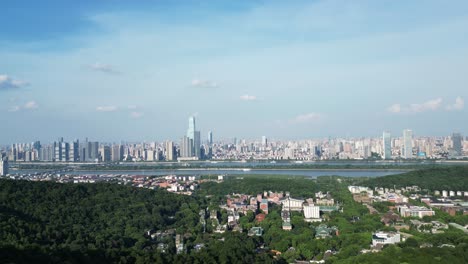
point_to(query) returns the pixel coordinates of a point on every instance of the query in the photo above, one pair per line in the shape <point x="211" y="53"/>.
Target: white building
<point x="384" y="238"/>
<point x="311" y="212"/>
<point x="291" y="204"/>
<point x="414" y="211"/>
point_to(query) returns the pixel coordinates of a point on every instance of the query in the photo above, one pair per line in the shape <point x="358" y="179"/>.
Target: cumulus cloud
<point x="107" y="108"/>
<point x="307" y="118"/>
<point x="30" y="105"/>
<point x="247" y="97"/>
<point x="458" y="105"/>
<point x="101" y="67"/>
<point x="204" y="83"/>
<point x="430" y="105"/>
<point x="6" y="82"/>
<point x="136" y="114"/>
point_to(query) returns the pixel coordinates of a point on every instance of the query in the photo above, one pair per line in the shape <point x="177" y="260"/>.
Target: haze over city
<point x="112" y="70"/>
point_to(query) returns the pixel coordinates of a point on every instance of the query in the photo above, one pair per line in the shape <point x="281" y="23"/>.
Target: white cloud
<point x="6" y="82"/>
<point x="107" y="108"/>
<point x="458" y="105"/>
<point x="307" y="118"/>
<point x="430" y="105"/>
<point x="31" y="105"/>
<point x="136" y="114"/>
<point x="106" y="68"/>
<point x="396" y="108"/>
<point x="204" y="83"/>
<point x="247" y="97"/>
<point x="132" y="107"/>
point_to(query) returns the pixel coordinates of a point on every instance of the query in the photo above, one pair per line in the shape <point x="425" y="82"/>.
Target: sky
<point x="114" y="70"/>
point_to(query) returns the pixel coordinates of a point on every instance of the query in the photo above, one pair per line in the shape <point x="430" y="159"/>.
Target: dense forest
<point x="453" y="178"/>
<point x="51" y="222"/>
<point x="45" y="222"/>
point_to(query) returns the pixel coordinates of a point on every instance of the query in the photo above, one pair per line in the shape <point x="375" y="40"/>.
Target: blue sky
<point x="135" y="70"/>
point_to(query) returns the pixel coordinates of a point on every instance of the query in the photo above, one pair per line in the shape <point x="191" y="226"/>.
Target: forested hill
<point x="453" y="178"/>
<point x="83" y="222"/>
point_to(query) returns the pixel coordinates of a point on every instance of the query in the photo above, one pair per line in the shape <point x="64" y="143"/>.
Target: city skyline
<point x="295" y="70"/>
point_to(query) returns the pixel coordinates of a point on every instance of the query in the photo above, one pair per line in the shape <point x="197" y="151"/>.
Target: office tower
<point x="407" y="144"/>
<point x="210" y="138"/>
<point x="196" y="144"/>
<point x="13" y="153"/>
<point x="105" y="154"/>
<point x="194" y="136"/>
<point x="62" y="151"/>
<point x="264" y="141"/>
<point x="191" y="128"/>
<point x="74" y="153"/>
<point x="92" y="151"/>
<point x="57" y="151"/>
<point x="387" y="145"/>
<point x="457" y="144"/>
<point x="117" y="153"/>
<point x="65" y="151"/>
<point x="186" y="149"/>
<point x="150" y="155"/>
<point x="3" y="165"/>
<point x="170" y="152"/>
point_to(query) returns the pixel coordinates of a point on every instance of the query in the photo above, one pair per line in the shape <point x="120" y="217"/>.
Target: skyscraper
<point x="74" y="154"/>
<point x="170" y="151"/>
<point x="457" y="144"/>
<point x="194" y="136"/>
<point x="210" y="138"/>
<point x="264" y="141"/>
<point x="3" y="165"/>
<point x="387" y="145"/>
<point x="191" y="128"/>
<point x="196" y="145"/>
<point x="407" y="150"/>
<point x="186" y="149"/>
<point x="117" y="153"/>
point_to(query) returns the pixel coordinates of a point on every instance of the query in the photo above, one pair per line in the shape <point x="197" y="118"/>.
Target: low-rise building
<point x="385" y="238"/>
<point x="414" y="211"/>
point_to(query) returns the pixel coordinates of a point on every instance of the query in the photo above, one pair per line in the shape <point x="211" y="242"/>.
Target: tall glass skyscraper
<point x="457" y="144"/>
<point x="191" y="128"/>
<point x="387" y="145"/>
<point x="194" y="135"/>
<point x="407" y="144"/>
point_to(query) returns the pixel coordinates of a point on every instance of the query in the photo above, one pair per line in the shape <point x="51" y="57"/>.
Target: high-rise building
<point x="264" y="141"/>
<point x="194" y="136"/>
<point x="407" y="150"/>
<point x="191" y="128"/>
<point x="186" y="149"/>
<point x="105" y="154"/>
<point x="196" y="145"/>
<point x="93" y="151"/>
<point x="387" y="145"/>
<point x="3" y="165"/>
<point x="74" y="153"/>
<point x="210" y="138"/>
<point x="117" y="153"/>
<point x="170" y="152"/>
<point x="457" y="144"/>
